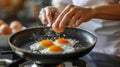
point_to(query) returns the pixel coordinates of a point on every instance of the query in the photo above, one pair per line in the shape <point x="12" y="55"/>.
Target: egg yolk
<point x="62" y="40"/>
<point x="55" y="49"/>
<point x="46" y="43"/>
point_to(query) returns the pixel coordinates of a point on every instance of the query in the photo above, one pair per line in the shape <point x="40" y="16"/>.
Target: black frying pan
<point x="20" y="42"/>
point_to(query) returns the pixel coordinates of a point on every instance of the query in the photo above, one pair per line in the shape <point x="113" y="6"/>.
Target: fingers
<point x="42" y="17"/>
<point x="76" y="15"/>
<point x="48" y="15"/>
<point x="74" y="19"/>
<point x="82" y="19"/>
<point x="55" y="14"/>
<point x="60" y="22"/>
<point x="83" y="15"/>
<point x="68" y="16"/>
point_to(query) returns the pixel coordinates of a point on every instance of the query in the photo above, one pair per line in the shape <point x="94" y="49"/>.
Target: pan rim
<point x="27" y="51"/>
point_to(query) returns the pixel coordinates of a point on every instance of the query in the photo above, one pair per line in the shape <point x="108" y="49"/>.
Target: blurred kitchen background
<point x="25" y="12"/>
<point x="21" y="9"/>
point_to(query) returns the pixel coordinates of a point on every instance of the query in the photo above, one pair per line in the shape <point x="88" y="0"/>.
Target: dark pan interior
<point x="23" y="39"/>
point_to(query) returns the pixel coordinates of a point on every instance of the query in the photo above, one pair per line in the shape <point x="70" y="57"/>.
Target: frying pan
<point x="20" y="42"/>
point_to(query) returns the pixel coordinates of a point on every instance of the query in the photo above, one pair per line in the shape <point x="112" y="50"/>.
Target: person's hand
<point x="75" y="15"/>
<point x="48" y="15"/>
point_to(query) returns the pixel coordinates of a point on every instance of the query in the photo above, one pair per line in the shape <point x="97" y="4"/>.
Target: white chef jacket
<point x="105" y="39"/>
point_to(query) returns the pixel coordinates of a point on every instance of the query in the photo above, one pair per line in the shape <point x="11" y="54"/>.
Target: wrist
<point x="94" y="12"/>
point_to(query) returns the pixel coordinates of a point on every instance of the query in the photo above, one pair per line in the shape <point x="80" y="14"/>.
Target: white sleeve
<point x="62" y="1"/>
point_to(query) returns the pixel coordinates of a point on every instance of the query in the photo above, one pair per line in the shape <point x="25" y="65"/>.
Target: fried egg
<point x="41" y="45"/>
<point x="52" y="50"/>
<point x="65" y="42"/>
<point x="68" y="49"/>
<point x="60" y="45"/>
<point x="57" y="50"/>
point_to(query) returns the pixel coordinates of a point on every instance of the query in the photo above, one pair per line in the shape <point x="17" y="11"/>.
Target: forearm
<point x="110" y="12"/>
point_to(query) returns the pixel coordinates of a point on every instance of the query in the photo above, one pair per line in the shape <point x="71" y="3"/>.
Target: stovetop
<point x="10" y="59"/>
<point x="93" y="59"/>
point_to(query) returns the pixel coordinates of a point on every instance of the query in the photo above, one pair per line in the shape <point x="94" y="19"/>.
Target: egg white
<point x="46" y="51"/>
<point x="71" y="43"/>
<point x="67" y="48"/>
<point x="36" y="46"/>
